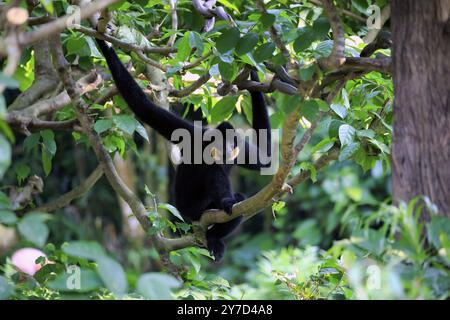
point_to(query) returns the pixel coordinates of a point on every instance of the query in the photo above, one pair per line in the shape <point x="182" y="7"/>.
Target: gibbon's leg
<point x="218" y="231"/>
<point x="260" y="121"/>
<point x="215" y="235"/>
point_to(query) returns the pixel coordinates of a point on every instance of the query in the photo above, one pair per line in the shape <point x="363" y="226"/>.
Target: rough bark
<point x="421" y="64"/>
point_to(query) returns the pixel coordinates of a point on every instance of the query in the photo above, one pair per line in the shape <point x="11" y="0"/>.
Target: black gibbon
<point x="198" y="186"/>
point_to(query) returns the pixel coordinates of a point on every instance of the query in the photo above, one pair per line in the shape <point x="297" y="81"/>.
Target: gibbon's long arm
<point x="163" y="121"/>
<point x="260" y="121"/>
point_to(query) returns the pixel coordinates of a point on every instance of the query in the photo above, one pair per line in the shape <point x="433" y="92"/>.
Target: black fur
<point x="198" y="187"/>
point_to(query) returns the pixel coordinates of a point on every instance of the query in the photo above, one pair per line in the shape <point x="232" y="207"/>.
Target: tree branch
<point x="76" y="192"/>
<point x="124" y="44"/>
<point x="336" y="58"/>
<point x="64" y="22"/>
<point x="194" y="86"/>
<point x="27" y="124"/>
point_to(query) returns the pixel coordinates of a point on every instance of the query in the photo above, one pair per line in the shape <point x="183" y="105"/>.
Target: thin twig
<point x="173" y="14"/>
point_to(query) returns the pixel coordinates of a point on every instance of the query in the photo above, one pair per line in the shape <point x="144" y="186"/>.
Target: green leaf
<point x="360" y="5"/>
<point x="223" y="109"/>
<point x="323" y="49"/>
<point x="102" y="125"/>
<point x="323" y="105"/>
<point x="5" y="155"/>
<point x="5" y="203"/>
<point x="346" y="134"/>
<point x="31" y="141"/>
<point x="184" y="48"/>
<point x="228" y="40"/>
<point x="363" y="159"/>
<point x="333" y="127"/>
<point x="267" y="20"/>
<point x="7" y="217"/>
<point x="48" y="5"/>
<point x="196" y="41"/>
<point x="264" y="52"/>
<point x="2" y="107"/>
<point x="157" y="286"/>
<point x="78" y="46"/>
<point x="310" y="108"/>
<point x="33" y="228"/>
<point x="6" y="289"/>
<point x="348" y="151"/>
<point x="324" y="145"/>
<point x="340" y="110"/>
<point x="132" y="35"/>
<point x="310" y="167"/>
<point x="321" y="27"/>
<point x="113" y="143"/>
<point x="348" y="258"/>
<point x="227" y="71"/>
<point x="48" y="150"/>
<point x="277" y="206"/>
<point x="171" y="209"/>
<point x="345" y="98"/>
<point x="112" y="275"/>
<point x="229" y="5"/>
<point x="247" y="43"/>
<point x="366" y="133"/>
<point x="89" y="281"/>
<point x="93" y="47"/>
<point x="46" y="161"/>
<point x="84" y="249"/>
<point x="140" y="129"/>
<point x="304" y="40"/>
<point x="48" y="139"/>
<point x="438" y="225"/>
<point x="380" y="145"/>
<point x="22" y="172"/>
<point x="306" y="73"/>
<point x="125" y="123"/>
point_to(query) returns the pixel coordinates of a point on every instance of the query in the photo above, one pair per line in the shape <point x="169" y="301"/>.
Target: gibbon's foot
<point x="216" y="248"/>
<point x="227" y="204"/>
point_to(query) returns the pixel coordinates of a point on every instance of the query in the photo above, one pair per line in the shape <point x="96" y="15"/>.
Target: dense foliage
<point x="338" y="236"/>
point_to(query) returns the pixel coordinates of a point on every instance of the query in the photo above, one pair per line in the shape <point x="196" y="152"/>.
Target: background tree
<point x="421" y="32"/>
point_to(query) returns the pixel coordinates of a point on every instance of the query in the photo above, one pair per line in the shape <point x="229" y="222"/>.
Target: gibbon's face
<point x="231" y="153"/>
<point x="228" y="150"/>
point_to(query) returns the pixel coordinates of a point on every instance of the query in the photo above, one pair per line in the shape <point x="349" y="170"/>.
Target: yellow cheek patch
<point x="234" y="153"/>
<point x="215" y="154"/>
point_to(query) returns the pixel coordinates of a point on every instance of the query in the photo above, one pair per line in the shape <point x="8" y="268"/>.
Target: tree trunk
<point x="421" y="62"/>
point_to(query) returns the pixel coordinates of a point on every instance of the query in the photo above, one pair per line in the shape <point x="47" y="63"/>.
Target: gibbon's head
<point x="228" y="150"/>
